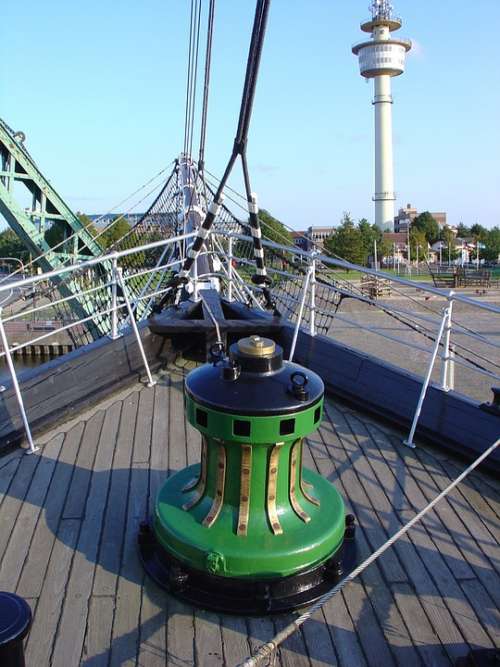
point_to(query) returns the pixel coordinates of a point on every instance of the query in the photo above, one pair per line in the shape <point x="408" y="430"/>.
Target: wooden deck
<point x="69" y="517"/>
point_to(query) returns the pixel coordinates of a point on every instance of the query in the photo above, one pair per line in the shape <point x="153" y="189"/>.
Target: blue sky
<point x="98" y="87"/>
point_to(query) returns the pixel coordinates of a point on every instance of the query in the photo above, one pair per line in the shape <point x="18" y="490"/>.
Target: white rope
<point x="212" y="317"/>
<point x="267" y="651"/>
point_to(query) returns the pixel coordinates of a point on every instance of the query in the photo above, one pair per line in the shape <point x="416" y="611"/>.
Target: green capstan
<point x="249" y="511"/>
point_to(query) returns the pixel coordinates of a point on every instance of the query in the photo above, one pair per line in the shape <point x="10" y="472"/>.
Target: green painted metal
<point x="46" y="206"/>
<point x="260" y="553"/>
<point x="30" y="224"/>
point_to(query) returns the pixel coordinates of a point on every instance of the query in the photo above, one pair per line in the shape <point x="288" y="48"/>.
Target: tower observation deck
<point x="381" y="57"/>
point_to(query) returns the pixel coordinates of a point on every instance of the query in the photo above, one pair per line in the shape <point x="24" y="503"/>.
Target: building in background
<point x="407" y="215"/>
<point x="318" y="235"/>
<point x="300" y="240"/>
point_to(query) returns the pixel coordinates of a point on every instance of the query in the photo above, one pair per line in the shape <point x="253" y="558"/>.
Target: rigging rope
<point x="206" y="85"/>
<point x="239" y="148"/>
<point x="268" y="651"/>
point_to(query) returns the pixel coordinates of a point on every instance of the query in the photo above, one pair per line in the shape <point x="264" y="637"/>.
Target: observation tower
<point x="380" y="58"/>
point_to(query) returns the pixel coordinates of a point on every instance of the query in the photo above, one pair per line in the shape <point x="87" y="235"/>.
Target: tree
<point x="114" y="232"/>
<point x="59" y="231"/>
<point x="427" y="224"/>
<point x="449" y="238"/>
<point x="273" y="229"/>
<point x="12" y="246"/>
<point x="492" y="250"/>
<point x="418" y="239"/>
<point x="479" y="232"/>
<point x="462" y="230"/>
<point x="347" y="242"/>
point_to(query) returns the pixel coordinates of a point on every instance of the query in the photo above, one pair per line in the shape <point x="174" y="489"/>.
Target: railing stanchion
<point x="445" y="366"/>
<point x="409" y="441"/>
<point x="230" y="268"/>
<point x="451" y="368"/>
<point x="114" y="302"/>
<point x="195" y="281"/>
<point x="312" y="302"/>
<point x="5" y="344"/>
<point x="307" y="278"/>
<point x="133" y="324"/>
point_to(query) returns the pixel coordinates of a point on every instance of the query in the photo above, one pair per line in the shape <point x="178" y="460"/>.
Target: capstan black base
<point x="243" y="596"/>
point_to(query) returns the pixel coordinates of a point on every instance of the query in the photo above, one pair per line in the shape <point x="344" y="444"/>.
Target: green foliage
<point x="427" y="224"/>
<point x="273" y="229"/>
<point x="12" y="246"/>
<point x="58" y="231"/>
<point x="449" y="238"/>
<point x="418" y="239"/>
<point x="479" y="232"/>
<point x="115" y="231"/>
<point x="462" y="230"/>
<point x="492" y="250"/>
<point x="348" y="242"/>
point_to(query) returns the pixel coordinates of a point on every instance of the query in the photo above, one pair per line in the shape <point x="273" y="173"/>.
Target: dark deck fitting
<point x="15" y="622"/>
<point x="274" y="596"/>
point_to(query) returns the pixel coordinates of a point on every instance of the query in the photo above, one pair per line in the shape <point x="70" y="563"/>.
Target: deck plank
<point x="419" y="491"/>
<point x="126" y="631"/>
<point x="424" y="567"/>
<point x="108" y="564"/>
<point x="98" y="636"/>
<point x="144" y="425"/>
<point x="43" y="633"/>
<point x="35" y="566"/>
<point x="356" y="601"/>
<point x="71" y="632"/>
<point x="154" y="603"/>
<point x="18" y="548"/>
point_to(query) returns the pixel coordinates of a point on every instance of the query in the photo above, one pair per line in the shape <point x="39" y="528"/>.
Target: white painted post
<point x="312" y="302"/>
<point x="409" y="441"/>
<point x="446" y="349"/>
<point x="114" y="302"/>
<point x="299" y="316"/>
<point x="121" y="282"/>
<point x="230" y="268"/>
<point x="451" y="368"/>
<point x="5" y="344"/>
<point x="195" y="280"/>
<point x="375" y="253"/>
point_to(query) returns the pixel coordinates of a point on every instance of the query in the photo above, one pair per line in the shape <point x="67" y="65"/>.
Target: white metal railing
<point x="307" y="306"/>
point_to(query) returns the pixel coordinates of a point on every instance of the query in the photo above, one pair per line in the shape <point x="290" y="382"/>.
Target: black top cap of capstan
<point x="255" y="381"/>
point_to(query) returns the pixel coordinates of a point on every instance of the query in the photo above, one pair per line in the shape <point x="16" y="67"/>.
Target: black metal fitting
<point x="298" y="387"/>
<point x="217" y="353"/>
<point x="244" y="596"/>
<point x="350" y="527"/>
<point x="15" y="623"/>
<point x="494" y="406"/>
<point x="230" y="371"/>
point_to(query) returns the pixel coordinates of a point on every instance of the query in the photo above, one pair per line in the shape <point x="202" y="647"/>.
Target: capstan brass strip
<point x="272" y="484"/>
<point x="305" y="487"/>
<point x="294" y="476"/>
<point x="220" y="480"/>
<point x="189" y="486"/>
<point x="199" y="484"/>
<point x="245" y="479"/>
